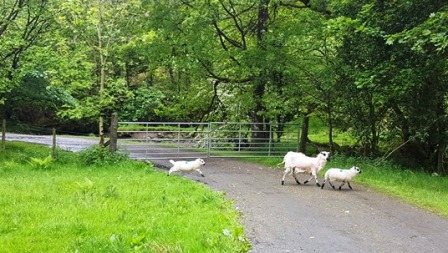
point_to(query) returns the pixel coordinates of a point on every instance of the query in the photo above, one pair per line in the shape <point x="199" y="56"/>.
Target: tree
<point x="92" y="32"/>
<point x="398" y="88"/>
<point x="427" y="41"/>
<point x="242" y="53"/>
<point x="22" y="23"/>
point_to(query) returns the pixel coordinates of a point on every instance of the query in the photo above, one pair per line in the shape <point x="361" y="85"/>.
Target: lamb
<point x="187" y="166"/>
<point x="340" y="175"/>
<point x="300" y="163"/>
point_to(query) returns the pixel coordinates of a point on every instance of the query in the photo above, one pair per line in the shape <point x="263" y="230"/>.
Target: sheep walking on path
<point x="300" y="163"/>
<point x="340" y="175"/>
<point x="187" y="166"/>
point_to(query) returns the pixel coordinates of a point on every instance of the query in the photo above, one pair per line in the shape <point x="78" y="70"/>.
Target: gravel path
<point x="304" y="218"/>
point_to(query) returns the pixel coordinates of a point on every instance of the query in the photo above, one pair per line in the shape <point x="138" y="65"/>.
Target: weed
<point x="111" y="192"/>
<point x="8" y="165"/>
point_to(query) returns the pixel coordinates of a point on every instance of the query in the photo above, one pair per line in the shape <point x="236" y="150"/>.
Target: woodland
<point x="374" y="69"/>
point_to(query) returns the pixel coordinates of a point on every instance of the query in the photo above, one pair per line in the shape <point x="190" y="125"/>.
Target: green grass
<point x="417" y="188"/>
<point x="413" y="186"/>
<point x="125" y="206"/>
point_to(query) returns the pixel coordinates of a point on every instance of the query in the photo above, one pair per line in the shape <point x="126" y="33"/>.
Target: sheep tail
<point x="283" y="162"/>
<point x="172" y="162"/>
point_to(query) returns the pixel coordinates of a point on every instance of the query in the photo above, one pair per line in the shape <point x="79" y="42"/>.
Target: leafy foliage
<point x="399" y="90"/>
<point x="376" y="69"/>
<point x="41" y="163"/>
<point x="97" y="155"/>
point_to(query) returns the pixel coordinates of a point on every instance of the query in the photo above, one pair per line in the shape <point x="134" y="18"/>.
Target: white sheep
<point x="340" y="175"/>
<point x="187" y="166"/>
<point x="300" y="163"/>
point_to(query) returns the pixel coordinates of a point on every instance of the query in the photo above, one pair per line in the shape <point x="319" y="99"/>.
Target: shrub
<point x="100" y="155"/>
<point x="41" y="163"/>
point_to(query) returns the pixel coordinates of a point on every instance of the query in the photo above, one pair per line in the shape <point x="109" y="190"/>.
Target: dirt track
<point x="304" y="218"/>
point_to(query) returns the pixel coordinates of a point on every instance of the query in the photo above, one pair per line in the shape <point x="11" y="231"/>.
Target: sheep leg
<point x="349" y="186"/>
<point x="200" y="172"/>
<point x="323" y="184"/>
<point x="331" y="184"/>
<point x="306" y="181"/>
<point x="287" y="170"/>
<point x="294" y="174"/>
<point x="343" y="183"/>
<point x="313" y="174"/>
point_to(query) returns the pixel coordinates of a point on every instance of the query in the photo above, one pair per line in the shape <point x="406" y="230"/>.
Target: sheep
<point x="300" y="163"/>
<point x="187" y="166"/>
<point x="340" y="175"/>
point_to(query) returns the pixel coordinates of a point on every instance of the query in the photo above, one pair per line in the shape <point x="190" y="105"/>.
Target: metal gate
<point x="165" y="140"/>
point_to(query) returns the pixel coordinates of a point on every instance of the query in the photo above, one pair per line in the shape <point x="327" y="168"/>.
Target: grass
<point x="417" y="188"/>
<point x="120" y="206"/>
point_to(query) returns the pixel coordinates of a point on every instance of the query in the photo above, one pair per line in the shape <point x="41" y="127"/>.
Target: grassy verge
<point x="415" y="187"/>
<point x="122" y="206"/>
<point x="418" y="188"/>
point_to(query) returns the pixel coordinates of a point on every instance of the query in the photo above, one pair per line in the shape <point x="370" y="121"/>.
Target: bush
<point x="100" y="155"/>
<point x="41" y="163"/>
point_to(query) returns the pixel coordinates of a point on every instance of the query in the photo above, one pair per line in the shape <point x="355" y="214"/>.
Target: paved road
<point x="293" y="218"/>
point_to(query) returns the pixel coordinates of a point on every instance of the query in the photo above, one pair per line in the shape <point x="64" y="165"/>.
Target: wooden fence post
<point x="53" y="147"/>
<point x="113" y="133"/>
<point x="4" y="135"/>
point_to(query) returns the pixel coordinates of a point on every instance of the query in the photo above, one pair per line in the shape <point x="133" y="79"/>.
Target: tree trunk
<point x="258" y="129"/>
<point x="330" y="129"/>
<point x="441" y="149"/>
<point x="304" y="134"/>
<point x="102" y="77"/>
<point x="259" y="133"/>
<point x="113" y="133"/>
<point x="373" y="138"/>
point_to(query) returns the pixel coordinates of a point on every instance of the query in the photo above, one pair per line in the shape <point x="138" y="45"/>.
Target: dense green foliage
<point x="120" y="206"/>
<point x="373" y="68"/>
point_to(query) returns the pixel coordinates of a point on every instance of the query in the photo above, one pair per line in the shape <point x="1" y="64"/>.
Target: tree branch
<point x="305" y="5"/>
<point x="224" y="37"/>
<point x="214" y="98"/>
<point x="18" y="5"/>
<point x="223" y="79"/>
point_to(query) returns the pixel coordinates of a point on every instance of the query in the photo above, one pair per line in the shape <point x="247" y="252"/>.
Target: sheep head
<point x="355" y="170"/>
<point x="324" y="155"/>
<point x="200" y="161"/>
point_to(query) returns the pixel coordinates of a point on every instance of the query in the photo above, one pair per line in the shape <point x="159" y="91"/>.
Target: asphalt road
<point x="304" y="218"/>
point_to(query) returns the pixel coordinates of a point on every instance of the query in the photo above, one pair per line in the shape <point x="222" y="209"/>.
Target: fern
<point x="40" y="163"/>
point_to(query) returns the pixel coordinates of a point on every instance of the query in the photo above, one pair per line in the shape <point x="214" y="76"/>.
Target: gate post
<point x="53" y="147"/>
<point x="4" y="135"/>
<point x="270" y="138"/>
<point x="209" y="135"/>
<point x="113" y="133"/>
